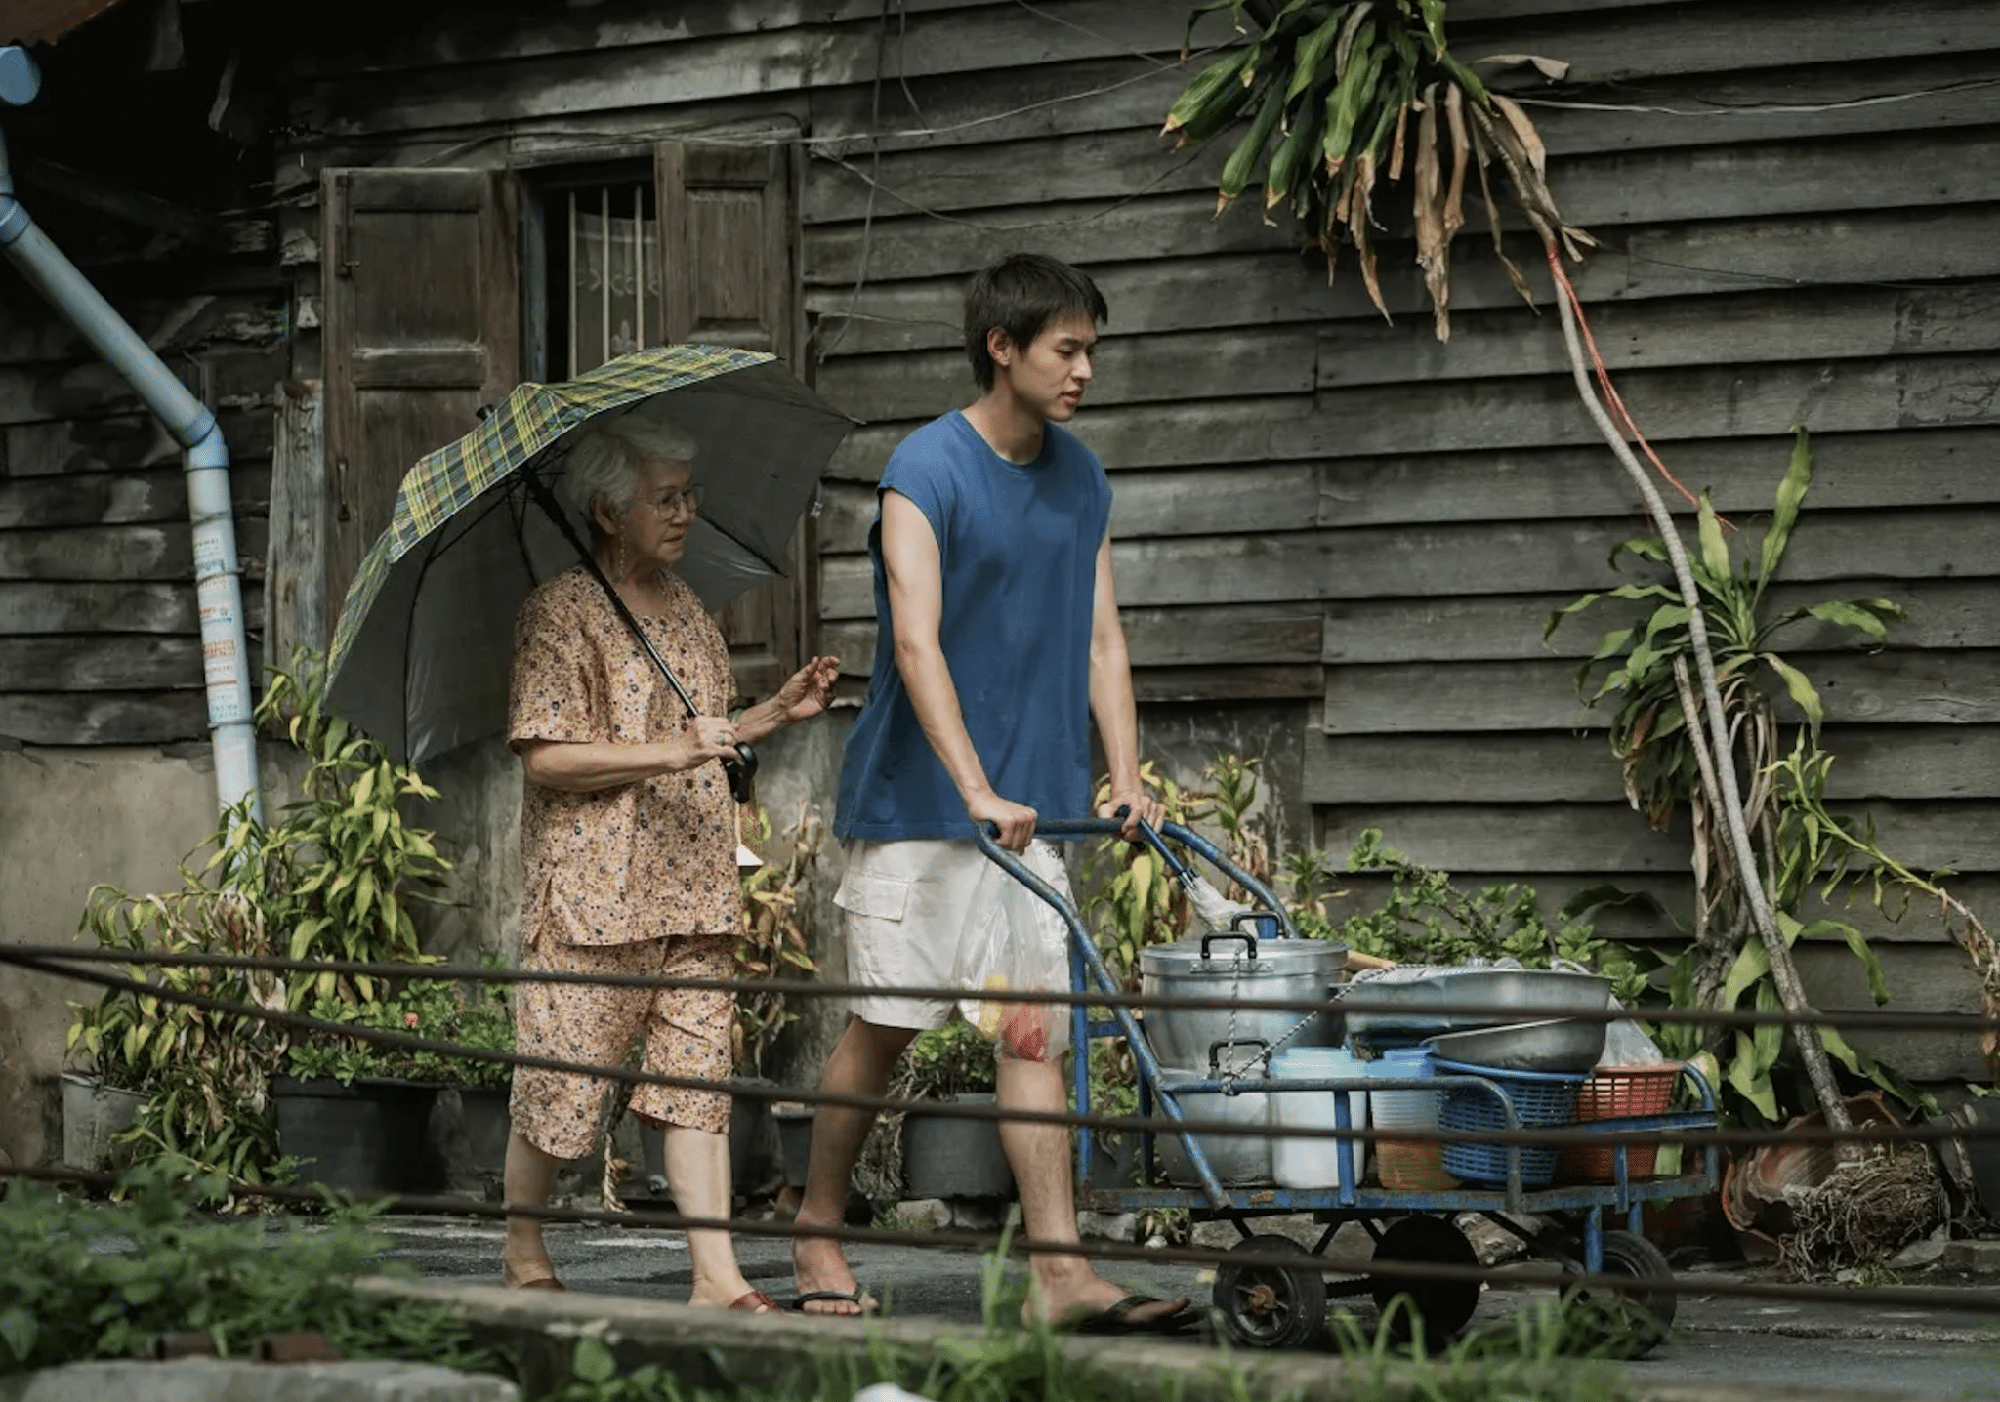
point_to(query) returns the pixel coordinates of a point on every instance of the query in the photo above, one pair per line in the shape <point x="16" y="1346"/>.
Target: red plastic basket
<point x="1617" y="1093"/>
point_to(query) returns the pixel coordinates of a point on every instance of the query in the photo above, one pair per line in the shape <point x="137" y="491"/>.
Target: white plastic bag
<point x="1018" y="943"/>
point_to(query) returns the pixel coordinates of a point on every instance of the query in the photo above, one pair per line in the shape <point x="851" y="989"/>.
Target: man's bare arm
<point x="1113" y="704"/>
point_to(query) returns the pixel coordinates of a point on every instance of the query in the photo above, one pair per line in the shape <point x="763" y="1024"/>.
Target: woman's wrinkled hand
<point x="705" y="738"/>
<point x="809" y="691"/>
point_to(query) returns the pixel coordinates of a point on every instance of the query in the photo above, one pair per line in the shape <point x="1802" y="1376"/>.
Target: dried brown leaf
<point x="1554" y="69"/>
<point x="1493" y="218"/>
<point x="1461" y="148"/>
<point x="1428" y="207"/>
<point x="1396" y="148"/>
<point x="1524" y="132"/>
<point x="1357" y="220"/>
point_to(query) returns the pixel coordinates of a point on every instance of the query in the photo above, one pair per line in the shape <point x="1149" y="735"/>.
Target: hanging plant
<point x="1345" y="99"/>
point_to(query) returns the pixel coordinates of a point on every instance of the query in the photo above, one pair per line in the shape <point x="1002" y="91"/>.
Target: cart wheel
<point x="1270" y="1306"/>
<point x="1628" y="1323"/>
<point x="1444" y="1306"/>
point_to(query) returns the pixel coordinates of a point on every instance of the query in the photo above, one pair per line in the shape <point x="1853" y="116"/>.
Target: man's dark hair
<point x="1021" y="294"/>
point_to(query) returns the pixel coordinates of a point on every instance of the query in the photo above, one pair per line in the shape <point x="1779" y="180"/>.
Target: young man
<point x="998" y="640"/>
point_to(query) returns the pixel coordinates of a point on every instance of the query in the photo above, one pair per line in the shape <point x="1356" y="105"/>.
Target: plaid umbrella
<point x="424" y="647"/>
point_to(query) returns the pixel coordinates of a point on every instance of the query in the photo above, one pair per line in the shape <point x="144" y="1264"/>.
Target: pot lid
<point x="1239" y="955"/>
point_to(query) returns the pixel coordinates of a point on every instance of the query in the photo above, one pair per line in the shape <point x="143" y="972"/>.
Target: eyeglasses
<point x="681" y="500"/>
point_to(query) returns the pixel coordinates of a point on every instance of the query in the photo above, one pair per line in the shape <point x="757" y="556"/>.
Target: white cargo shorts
<point x="912" y="905"/>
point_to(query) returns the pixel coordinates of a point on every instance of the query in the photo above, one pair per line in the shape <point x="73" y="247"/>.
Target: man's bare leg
<point x="1063" y="1287"/>
<point x="860" y="1065"/>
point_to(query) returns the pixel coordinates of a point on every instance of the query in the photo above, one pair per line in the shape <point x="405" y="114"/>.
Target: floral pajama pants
<point x="687" y="1033"/>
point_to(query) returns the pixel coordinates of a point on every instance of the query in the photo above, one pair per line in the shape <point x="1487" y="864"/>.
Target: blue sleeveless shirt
<point x="1017" y="546"/>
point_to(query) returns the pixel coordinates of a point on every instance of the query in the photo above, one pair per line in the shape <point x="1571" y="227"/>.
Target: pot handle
<point x="1248" y="939"/>
<point x="1258" y="920"/>
<point x="1215" y="1050"/>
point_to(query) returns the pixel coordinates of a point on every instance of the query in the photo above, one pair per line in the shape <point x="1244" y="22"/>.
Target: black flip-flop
<point x="857" y="1297"/>
<point x="1116" y="1320"/>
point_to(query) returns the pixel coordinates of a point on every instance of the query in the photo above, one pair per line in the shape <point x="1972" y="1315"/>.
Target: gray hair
<point x="604" y="463"/>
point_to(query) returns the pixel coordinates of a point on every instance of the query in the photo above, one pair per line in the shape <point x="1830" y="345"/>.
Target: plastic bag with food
<point x="1018" y="944"/>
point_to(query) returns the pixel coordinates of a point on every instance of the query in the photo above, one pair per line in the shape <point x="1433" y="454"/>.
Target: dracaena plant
<point x="1642" y="670"/>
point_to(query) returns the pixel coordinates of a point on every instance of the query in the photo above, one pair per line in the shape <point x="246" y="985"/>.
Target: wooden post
<point x="295" y="612"/>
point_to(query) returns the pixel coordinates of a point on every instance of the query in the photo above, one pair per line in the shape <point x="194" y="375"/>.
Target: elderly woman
<point x="628" y="842"/>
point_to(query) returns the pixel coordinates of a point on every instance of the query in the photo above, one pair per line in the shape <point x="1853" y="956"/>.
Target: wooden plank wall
<point x="1799" y="217"/>
<point x="99" y="639"/>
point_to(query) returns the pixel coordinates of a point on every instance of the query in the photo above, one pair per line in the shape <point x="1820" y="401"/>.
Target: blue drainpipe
<point x="218" y="579"/>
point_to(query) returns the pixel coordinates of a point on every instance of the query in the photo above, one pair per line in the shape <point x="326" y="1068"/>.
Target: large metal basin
<point x="1557" y="1044"/>
<point x="1496" y="997"/>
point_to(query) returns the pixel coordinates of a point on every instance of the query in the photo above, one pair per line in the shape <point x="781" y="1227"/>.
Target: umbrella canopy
<point x="423" y="651"/>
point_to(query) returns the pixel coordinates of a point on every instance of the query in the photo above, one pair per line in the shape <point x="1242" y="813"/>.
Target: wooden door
<point x="423" y="327"/>
<point x="729" y="276"/>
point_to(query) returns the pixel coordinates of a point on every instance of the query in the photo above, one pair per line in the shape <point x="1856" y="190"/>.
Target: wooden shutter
<point x="729" y="276"/>
<point x="422" y="327"/>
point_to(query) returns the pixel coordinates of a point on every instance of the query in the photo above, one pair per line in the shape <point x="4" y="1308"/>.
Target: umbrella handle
<point x="741" y="771"/>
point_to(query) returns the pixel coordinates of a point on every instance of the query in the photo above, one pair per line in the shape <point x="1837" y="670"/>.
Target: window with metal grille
<point x="601" y="269"/>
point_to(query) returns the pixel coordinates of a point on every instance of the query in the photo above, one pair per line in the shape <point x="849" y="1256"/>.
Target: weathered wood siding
<point x="99" y="639"/>
<point x="1800" y="216"/>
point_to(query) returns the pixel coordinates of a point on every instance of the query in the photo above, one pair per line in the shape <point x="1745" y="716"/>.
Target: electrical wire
<point x="1711" y="108"/>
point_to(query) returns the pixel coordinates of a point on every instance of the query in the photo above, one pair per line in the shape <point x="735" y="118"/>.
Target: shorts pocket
<point x="874" y="897"/>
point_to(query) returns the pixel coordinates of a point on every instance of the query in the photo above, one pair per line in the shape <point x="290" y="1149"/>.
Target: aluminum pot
<point x="1239" y="1160"/>
<point x="1502" y="995"/>
<point x="1248" y="970"/>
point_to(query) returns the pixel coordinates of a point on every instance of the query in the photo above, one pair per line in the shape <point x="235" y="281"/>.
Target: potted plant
<point x="197" y="1073"/>
<point x="945" y="1156"/>
<point x="357" y="1113"/>
<point x="334" y="877"/>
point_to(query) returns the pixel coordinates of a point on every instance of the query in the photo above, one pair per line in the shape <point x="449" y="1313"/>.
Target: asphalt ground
<point x="1836" y="1346"/>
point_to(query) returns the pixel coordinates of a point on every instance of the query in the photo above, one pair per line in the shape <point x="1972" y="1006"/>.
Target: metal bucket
<point x="1239" y="1160"/>
<point x="1248" y="970"/>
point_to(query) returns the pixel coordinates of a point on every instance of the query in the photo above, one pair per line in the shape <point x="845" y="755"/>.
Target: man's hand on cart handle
<point x="1135" y="808"/>
<point x="1015" y="821"/>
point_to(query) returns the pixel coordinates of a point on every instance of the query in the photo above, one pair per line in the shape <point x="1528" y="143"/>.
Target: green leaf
<point x="1750" y="1081"/>
<point x="1753" y="962"/>
<point x="594" y="1361"/>
<point x="1785" y="513"/>
<point x="1714" y="549"/>
<point x="1612" y="643"/>
<point x="1645" y="547"/>
<point x="1857" y="943"/>
<point x="1674" y="615"/>
<point x="19" y="1330"/>
<point x="1854" y="613"/>
<point x="1800" y="689"/>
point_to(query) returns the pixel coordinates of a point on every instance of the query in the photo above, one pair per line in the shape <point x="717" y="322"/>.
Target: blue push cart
<point x="1267" y="1304"/>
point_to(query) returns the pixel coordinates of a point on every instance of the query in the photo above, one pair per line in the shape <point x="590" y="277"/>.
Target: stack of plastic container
<point x="1406" y="1165"/>
<point x="1315" y="1161"/>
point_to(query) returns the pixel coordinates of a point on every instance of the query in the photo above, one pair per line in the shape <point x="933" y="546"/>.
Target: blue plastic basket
<point x="1538" y="1097"/>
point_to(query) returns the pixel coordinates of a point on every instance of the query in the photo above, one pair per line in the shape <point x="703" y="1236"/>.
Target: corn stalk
<point x="1336" y="86"/>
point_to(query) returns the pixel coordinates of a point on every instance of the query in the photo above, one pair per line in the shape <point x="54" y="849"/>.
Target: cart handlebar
<point x="1078" y="829"/>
